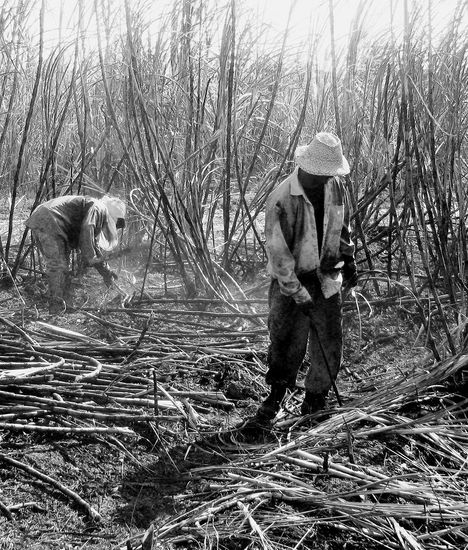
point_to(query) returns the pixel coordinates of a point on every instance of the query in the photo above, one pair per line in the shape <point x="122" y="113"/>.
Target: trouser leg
<point x="56" y="254"/>
<point x="68" y="294"/>
<point x="325" y="345"/>
<point x="289" y="330"/>
<point x="57" y="281"/>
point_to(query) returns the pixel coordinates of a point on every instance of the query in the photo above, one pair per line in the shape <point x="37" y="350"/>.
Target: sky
<point x="378" y="15"/>
<point x="307" y="13"/>
<point x="269" y="12"/>
<point x="272" y="14"/>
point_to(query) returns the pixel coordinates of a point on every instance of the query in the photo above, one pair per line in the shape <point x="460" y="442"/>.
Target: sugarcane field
<point x="233" y="275"/>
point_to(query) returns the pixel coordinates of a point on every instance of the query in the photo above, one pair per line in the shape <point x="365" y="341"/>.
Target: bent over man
<point x="75" y="222"/>
<point x="309" y="253"/>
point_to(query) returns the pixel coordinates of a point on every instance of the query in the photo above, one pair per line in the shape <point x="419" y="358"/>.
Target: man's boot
<point x="270" y="407"/>
<point x="313" y="402"/>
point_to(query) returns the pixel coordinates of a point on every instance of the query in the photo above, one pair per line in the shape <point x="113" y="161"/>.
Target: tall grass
<point x="195" y="121"/>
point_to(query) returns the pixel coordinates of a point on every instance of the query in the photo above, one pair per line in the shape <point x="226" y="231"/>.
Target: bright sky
<point x="307" y="15"/>
<point x="378" y="15"/>
<point x="270" y="12"/>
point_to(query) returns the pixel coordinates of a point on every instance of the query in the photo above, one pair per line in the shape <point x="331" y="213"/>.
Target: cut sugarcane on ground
<point x="118" y="421"/>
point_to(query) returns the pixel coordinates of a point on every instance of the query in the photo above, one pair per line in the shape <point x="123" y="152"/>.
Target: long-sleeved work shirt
<point x="77" y="219"/>
<point x="291" y="234"/>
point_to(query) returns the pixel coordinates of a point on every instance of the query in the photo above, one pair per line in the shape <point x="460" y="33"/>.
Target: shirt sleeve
<point x="90" y="228"/>
<point x="281" y="262"/>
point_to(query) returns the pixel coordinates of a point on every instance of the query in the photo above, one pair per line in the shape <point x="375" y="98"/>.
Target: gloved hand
<point x="350" y="274"/>
<point x="305" y="307"/>
<point x="109" y="277"/>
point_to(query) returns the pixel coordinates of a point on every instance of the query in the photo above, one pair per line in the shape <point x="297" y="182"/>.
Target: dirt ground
<point x="136" y="482"/>
<point x="154" y="474"/>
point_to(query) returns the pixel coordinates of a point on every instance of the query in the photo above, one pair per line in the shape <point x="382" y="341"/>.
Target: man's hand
<point x="109" y="277"/>
<point x="306" y="307"/>
<point x="350" y="275"/>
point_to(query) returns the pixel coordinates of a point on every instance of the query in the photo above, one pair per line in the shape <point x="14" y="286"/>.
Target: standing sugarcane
<point x="310" y="258"/>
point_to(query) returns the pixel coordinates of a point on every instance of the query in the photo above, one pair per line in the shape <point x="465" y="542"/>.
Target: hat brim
<point x="108" y="237"/>
<point x="115" y="207"/>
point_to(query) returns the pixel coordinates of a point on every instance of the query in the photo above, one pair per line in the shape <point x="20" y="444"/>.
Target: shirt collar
<point x="296" y="187"/>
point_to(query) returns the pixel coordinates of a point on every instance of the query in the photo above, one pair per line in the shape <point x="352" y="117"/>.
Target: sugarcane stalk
<point x="81" y="503"/>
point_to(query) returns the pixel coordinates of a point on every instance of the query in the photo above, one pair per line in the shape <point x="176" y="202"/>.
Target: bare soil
<point x="136" y="482"/>
<point x="153" y="476"/>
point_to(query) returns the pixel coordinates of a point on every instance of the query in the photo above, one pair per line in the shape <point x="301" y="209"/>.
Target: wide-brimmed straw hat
<point x="323" y="156"/>
<point x="116" y="209"/>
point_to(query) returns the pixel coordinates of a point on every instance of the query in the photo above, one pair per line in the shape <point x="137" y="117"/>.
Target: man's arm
<point x="90" y="252"/>
<point x="281" y="262"/>
<point x="106" y="272"/>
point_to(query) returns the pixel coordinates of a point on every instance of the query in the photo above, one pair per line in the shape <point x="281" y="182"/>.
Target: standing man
<point x="75" y="222"/>
<point x="310" y="256"/>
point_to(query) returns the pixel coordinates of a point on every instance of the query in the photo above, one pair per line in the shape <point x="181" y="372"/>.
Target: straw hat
<point x="323" y="156"/>
<point x="108" y="238"/>
<point x="116" y="208"/>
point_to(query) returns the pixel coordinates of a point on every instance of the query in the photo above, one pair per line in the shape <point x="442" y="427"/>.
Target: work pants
<point x="56" y="253"/>
<point x="291" y="330"/>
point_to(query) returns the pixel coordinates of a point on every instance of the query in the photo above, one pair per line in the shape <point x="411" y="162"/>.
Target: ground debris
<point x="137" y="413"/>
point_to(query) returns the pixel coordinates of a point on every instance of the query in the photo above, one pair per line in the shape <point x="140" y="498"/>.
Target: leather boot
<point x="269" y="408"/>
<point x="313" y="402"/>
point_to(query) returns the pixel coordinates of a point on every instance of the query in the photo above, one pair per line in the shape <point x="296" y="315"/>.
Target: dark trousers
<point x="56" y="252"/>
<point x="291" y="330"/>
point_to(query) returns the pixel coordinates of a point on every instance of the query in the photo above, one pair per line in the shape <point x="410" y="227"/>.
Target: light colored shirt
<point x="291" y="234"/>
